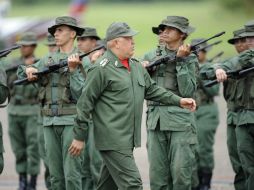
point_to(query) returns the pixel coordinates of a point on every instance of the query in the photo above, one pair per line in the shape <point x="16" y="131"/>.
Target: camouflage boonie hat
<point x="197" y="40"/>
<point x="68" y="21"/>
<point x="178" y="22"/>
<point x="28" y="38"/>
<point x="90" y="32"/>
<point x="50" y="40"/>
<point x="249" y="29"/>
<point x="237" y="35"/>
<point x="119" y="29"/>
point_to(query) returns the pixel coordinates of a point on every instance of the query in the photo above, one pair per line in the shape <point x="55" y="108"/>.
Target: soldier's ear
<point x="73" y="34"/>
<point x="116" y="44"/>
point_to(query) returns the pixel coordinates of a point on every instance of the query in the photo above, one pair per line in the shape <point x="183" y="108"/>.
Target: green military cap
<point x="50" y="40"/>
<point x="68" y="21"/>
<point x="90" y="32"/>
<point x="197" y="40"/>
<point x="249" y="29"/>
<point x="178" y="22"/>
<point x="28" y="38"/>
<point x="237" y="35"/>
<point x="119" y="29"/>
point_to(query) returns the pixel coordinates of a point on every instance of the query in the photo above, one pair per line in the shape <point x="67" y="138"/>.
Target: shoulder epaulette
<point x="104" y="62"/>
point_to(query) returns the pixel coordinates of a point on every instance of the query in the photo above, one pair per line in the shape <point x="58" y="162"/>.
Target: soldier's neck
<point x="174" y="45"/>
<point x="66" y="48"/>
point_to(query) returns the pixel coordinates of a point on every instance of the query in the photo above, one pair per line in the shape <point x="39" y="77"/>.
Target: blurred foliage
<point x="246" y="5"/>
<point x="208" y="17"/>
<point x="31" y="2"/>
<point x="100" y="1"/>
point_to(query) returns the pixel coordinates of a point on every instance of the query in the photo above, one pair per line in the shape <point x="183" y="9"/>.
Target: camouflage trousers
<point x="172" y="159"/>
<point x="24" y="143"/>
<point x="1" y="149"/>
<point x="64" y="169"/>
<point x="245" y="146"/>
<point x="239" y="180"/>
<point x="42" y="153"/>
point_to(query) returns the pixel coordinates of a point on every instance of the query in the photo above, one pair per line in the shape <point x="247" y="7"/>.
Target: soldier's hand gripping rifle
<point x="232" y="74"/>
<point x="5" y="52"/>
<point x="55" y="67"/>
<point x="194" y="49"/>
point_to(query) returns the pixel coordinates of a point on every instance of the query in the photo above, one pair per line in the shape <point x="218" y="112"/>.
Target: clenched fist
<point x="76" y="147"/>
<point x="188" y="103"/>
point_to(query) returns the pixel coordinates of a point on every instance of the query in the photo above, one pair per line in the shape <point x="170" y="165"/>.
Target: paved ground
<point x="223" y="175"/>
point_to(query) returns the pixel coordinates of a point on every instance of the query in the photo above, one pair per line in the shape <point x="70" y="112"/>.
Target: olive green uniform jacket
<point x="4" y="93"/>
<point x="178" y="77"/>
<point x="114" y="97"/>
<point x="207" y="118"/>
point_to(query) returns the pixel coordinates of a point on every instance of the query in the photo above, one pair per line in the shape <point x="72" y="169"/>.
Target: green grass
<point x="207" y="17"/>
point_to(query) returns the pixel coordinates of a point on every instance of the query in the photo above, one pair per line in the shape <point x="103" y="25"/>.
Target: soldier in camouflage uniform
<point x="4" y="93"/>
<point x="207" y="120"/>
<point x="51" y="48"/>
<point x="115" y="89"/>
<point x="92" y="159"/>
<point x="22" y="115"/>
<point x="171" y="130"/>
<point x="229" y="92"/>
<point x="239" y="96"/>
<point x="58" y="95"/>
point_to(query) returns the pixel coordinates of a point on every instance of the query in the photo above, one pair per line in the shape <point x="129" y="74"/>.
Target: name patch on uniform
<point x="104" y="62"/>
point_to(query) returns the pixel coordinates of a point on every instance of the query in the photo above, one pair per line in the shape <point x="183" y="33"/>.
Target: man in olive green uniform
<point x="59" y="92"/>
<point x="4" y="93"/>
<point x="229" y="92"/>
<point x="51" y="48"/>
<point x="229" y="95"/>
<point x="242" y="95"/>
<point x="115" y="89"/>
<point x="207" y="120"/>
<point x="171" y="130"/>
<point x="92" y="159"/>
<point x="22" y="115"/>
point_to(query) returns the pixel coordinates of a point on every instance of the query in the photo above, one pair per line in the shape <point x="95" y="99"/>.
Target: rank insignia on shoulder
<point x="116" y="63"/>
<point x="104" y="62"/>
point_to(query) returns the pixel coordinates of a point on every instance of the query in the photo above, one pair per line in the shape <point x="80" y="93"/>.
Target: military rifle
<point x="5" y="52"/>
<point x="232" y="74"/>
<point x="207" y="46"/>
<point x="172" y="58"/>
<point x="54" y="67"/>
<point x="216" y="56"/>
